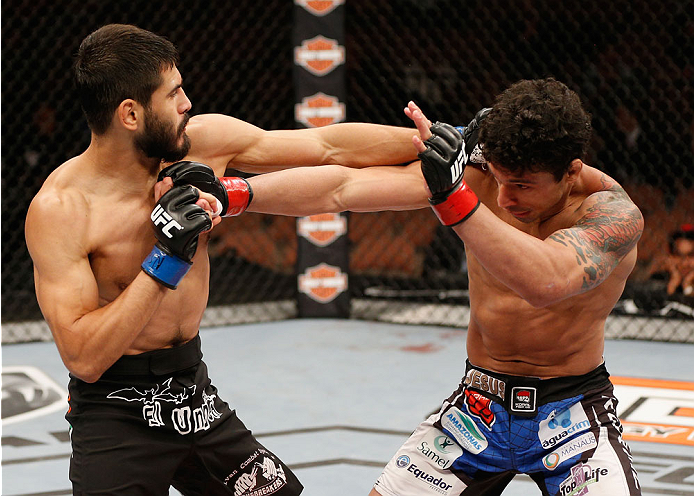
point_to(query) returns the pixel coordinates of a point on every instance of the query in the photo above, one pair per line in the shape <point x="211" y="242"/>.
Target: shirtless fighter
<point x="550" y="242"/>
<point x="122" y="280"/>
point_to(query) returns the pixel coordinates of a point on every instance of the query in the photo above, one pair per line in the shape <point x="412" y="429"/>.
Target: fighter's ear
<point x="575" y="168"/>
<point x="129" y="114"/>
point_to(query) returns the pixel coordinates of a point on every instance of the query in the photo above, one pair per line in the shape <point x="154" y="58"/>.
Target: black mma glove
<point x="470" y="134"/>
<point x="177" y="223"/>
<point x="234" y="194"/>
<point x="443" y="163"/>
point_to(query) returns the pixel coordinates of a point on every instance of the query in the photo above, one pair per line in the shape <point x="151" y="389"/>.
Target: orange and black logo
<point x="322" y="283"/>
<point x="322" y="229"/>
<point x="319" y="110"/>
<point x="319" y="55"/>
<point x="319" y="7"/>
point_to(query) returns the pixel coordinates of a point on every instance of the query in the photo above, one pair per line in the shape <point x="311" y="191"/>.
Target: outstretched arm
<point x="332" y="188"/>
<point x="223" y="142"/>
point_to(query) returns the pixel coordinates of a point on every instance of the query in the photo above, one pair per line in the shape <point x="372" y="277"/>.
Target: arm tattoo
<point x="608" y="231"/>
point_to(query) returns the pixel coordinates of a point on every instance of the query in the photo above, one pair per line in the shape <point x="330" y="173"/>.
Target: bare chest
<point x="121" y="236"/>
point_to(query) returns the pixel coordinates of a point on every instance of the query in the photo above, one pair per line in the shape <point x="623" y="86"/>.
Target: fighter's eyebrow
<point x="514" y="180"/>
<point x="521" y="181"/>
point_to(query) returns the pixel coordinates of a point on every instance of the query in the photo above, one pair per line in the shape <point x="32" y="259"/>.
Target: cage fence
<point x="629" y="60"/>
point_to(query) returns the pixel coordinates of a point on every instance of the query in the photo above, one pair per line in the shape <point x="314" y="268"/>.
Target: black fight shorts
<point x="155" y="420"/>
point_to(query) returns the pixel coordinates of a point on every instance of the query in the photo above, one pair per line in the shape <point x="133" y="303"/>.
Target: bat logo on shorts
<point x="149" y="396"/>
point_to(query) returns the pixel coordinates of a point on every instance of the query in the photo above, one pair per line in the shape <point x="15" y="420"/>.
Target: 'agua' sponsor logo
<point x="562" y="424"/>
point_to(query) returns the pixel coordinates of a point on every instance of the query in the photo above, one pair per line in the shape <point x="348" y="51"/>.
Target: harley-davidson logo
<point x="319" y="110"/>
<point x="322" y="283"/>
<point x="319" y="7"/>
<point x="319" y="55"/>
<point x="322" y="229"/>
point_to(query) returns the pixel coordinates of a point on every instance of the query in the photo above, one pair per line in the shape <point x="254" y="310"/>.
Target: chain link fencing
<point x="630" y="60"/>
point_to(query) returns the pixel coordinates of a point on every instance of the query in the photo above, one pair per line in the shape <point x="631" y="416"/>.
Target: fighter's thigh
<point x="120" y="456"/>
<point x="608" y="470"/>
<point x="422" y="465"/>
<point x="239" y="462"/>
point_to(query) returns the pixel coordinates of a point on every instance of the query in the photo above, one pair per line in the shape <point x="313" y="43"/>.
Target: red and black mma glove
<point x="234" y="194"/>
<point x="177" y="223"/>
<point x="443" y="163"/>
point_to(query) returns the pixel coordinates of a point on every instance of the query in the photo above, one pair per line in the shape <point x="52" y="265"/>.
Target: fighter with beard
<point x="122" y="279"/>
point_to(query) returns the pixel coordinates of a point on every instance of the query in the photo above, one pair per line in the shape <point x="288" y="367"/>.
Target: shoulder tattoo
<point x="608" y="231"/>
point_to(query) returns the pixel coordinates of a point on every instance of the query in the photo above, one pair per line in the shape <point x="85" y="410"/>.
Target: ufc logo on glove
<point x="458" y="166"/>
<point x="159" y="216"/>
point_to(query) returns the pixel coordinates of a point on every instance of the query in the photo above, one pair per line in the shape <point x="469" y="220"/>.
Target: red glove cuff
<point x="239" y="193"/>
<point x="457" y="207"/>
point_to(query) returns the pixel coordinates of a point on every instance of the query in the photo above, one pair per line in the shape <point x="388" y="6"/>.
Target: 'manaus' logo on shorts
<point x="561" y="424"/>
<point x="570" y="449"/>
<point x="463" y="429"/>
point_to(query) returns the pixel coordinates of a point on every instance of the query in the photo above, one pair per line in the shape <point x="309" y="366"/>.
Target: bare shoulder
<point x="64" y="189"/>
<point x="205" y="123"/>
<point x="56" y="212"/>
<point x="217" y="139"/>
<point x="612" y="217"/>
<point x="608" y="227"/>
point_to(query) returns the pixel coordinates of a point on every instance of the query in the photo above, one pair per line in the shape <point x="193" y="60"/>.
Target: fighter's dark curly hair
<point x="537" y="126"/>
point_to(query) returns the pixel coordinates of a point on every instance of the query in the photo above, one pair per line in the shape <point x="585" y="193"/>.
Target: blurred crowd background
<point x="629" y="60"/>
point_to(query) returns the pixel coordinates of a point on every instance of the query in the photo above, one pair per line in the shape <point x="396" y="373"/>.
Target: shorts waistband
<point x="522" y="395"/>
<point x="158" y="362"/>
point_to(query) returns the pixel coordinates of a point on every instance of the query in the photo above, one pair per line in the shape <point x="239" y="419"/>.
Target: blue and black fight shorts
<point x="562" y="432"/>
<point x="155" y="420"/>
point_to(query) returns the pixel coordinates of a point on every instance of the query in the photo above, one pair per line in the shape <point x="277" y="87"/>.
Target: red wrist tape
<point x="458" y="206"/>
<point x="239" y="194"/>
